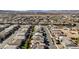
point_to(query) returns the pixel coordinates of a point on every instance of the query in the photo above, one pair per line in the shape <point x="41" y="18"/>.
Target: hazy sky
<point x="39" y="4"/>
